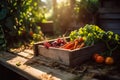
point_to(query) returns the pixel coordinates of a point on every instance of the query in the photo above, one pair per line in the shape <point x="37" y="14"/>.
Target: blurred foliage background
<point x="18" y="21"/>
<point x="19" y="18"/>
<point x="71" y="13"/>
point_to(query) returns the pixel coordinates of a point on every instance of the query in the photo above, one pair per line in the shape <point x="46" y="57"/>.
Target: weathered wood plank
<point x="9" y="61"/>
<point x="109" y="21"/>
<point x="62" y="56"/>
<point x="108" y="10"/>
<point x="32" y="71"/>
<point x="109" y="16"/>
<point x="111" y="25"/>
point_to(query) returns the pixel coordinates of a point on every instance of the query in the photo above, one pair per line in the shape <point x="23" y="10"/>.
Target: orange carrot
<point x="76" y="43"/>
<point x="64" y="45"/>
<point x="70" y="44"/>
<point x="81" y="45"/>
<point x="78" y="46"/>
<point x="72" y="48"/>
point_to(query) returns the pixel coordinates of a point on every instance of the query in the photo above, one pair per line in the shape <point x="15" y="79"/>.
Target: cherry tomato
<point x="109" y="60"/>
<point x="100" y="59"/>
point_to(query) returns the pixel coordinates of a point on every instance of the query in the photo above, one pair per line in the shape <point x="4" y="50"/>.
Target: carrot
<point x="76" y="43"/>
<point x="69" y="45"/>
<point x="64" y="45"/>
<point x="81" y="45"/>
<point x="72" y="48"/>
<point x="78" y="46"/>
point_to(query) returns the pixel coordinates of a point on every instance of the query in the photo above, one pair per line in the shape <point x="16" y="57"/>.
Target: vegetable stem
<point x="109" y="48"/>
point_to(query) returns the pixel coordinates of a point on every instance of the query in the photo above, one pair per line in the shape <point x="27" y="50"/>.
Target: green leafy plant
<point x="18" y="20"/>
<point x="90" y="33"/>
<point x="111" y="40"/>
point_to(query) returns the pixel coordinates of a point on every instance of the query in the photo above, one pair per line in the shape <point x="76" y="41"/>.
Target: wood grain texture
<point x="34" y="71"/>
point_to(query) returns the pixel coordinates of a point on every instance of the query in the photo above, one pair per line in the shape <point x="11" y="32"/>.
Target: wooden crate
<point x="68" y="57"/>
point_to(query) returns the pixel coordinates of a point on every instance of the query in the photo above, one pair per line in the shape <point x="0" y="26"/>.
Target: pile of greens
<point x="112" y="41"/>
<point x="93" y="34"/>
<point x="90" y="33"/>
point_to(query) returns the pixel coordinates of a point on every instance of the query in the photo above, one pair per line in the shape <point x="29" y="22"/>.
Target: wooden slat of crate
<point x="59" y="55"/>
<point x="87" y="50"/>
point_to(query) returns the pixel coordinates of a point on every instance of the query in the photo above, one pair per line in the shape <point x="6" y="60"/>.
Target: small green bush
<point x="18" y="20"/>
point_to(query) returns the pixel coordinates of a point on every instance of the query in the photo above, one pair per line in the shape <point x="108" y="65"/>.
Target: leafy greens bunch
<point x="90" y="33"/>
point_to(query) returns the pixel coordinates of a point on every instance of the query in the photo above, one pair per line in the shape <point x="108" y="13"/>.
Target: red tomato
<point x="100" y="59"/>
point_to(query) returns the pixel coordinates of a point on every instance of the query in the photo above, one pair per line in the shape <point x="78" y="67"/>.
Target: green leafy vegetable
<point x="90" y="33"/>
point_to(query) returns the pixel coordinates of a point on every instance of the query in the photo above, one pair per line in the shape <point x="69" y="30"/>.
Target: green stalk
<point x="109" y="48"/>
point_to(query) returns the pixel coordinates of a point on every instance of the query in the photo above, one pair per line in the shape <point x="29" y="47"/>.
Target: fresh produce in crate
<point x="57" y="43"/>
<point x="47" y="44"/>
<point x="76" y="48"/>
<point x="85" y="36"/>
<point x="62" y="43"/>
<point x="91" y="34"/>
<point x="77" y="43"/>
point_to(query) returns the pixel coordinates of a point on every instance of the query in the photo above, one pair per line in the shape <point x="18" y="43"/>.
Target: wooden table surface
<point x="39" y="68"/>
<point x="25" y="64"/>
